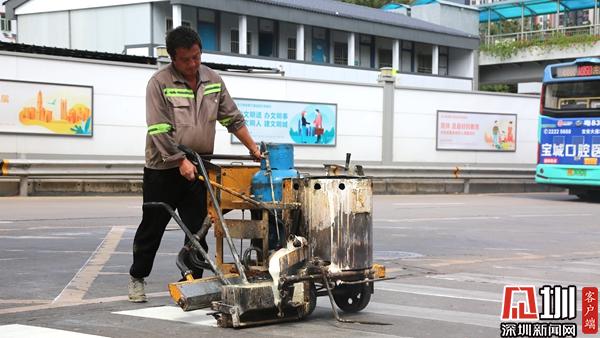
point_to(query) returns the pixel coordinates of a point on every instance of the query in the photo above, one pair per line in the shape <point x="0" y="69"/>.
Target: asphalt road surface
<point x="64" y="267"/>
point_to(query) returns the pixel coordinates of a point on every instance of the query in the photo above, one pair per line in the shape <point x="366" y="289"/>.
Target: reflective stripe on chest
<point x="212" y="88"/>
<point x="178" y="92"/>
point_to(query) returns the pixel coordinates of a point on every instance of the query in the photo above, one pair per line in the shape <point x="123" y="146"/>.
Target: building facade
<point x="8" y="28"/>
<point x="295" y="36"/>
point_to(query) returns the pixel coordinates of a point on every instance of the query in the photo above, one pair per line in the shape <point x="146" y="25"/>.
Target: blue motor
<point x="281" y="161"/>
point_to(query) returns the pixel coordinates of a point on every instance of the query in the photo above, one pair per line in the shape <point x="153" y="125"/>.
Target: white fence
<point x="120" y="127"/>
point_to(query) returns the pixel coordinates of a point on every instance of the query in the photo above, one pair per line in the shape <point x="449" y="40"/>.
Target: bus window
<point x="572" y="95"/>
<point x="573" y="103"/>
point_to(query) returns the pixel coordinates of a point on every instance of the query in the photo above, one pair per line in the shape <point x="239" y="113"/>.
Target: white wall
<point x="120" y="127"/>
<point x="119" y="107"/>
<point x="49" y="29"/>
<point x="533" y="54"/>
<point x="109" y="29"/>
<point x="460" y="62"/>
<point x="415" y="125"/>
<point x="299" y="69"/>
<point x="433" y="82"/>
<point x="45" y="6"/>
<point x="160" y="11"/>
<point x="450" y="15"/>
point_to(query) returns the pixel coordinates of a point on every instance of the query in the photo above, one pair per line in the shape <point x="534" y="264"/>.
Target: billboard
<point x="45" y="108"/>
<point x="298" y="123"/>
<point x="569" y="140"/>
<point x="476" y="131"/>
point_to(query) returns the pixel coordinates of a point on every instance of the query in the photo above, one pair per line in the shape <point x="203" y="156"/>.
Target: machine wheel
<point x="224" y="320"/>
<point x="352" y="297"/>
<point x="306" y="311"/>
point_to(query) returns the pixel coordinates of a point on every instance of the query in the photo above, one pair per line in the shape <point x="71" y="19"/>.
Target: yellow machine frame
<point x="237" y="178"/>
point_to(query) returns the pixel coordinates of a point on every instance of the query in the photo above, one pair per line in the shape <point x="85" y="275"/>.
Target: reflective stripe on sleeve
<point x="159" y="128"/>
<point x="178" y="92"/>
<point x="225" y="122"/>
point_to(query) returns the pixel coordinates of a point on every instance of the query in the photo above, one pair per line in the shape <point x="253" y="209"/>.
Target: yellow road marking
<point x="80" y="284"/>
<point x="82" y="302"/>
<point x="4" y="164"/>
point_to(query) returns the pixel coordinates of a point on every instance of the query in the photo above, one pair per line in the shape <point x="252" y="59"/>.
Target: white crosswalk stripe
<point x="501" y="280"/>
<point x="427" y="313"/>
<point x="426" y="290"/>
<point x="172" y="313"/>
<point x="27" y="331"/>
<point x="198" y="317"/>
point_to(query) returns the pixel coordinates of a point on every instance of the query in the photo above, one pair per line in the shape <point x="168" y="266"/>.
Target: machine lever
<point x="190" y="236"/>
<point x="213" y="198"/>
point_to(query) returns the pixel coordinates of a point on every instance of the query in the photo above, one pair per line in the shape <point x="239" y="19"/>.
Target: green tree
<point x="376" y="3"/>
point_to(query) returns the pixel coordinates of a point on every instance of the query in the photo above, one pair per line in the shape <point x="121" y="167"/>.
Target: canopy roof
<point x="514" y="9"/>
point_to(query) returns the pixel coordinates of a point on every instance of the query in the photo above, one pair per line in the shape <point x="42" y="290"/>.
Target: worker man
<point x="183" y="103"/>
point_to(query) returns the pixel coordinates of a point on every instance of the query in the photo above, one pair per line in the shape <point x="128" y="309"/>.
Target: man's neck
<point x="192" y="81"/>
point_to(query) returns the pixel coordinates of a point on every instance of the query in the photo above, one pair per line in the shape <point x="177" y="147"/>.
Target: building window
<point x="340" y="53"/>
<point x="443" y="60"/>
<point x="183" y="23"/>
<point x="235" y="41"/>
<point x="424" y="63"/>
<point x="5" y="24"/>
<point x="366" y="57"/>
<point x="291" y="49"/>
<point x="407" y="57"/>
<point x="385" y="58"/>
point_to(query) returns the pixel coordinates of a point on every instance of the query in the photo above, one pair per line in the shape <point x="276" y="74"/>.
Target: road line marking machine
<point x="310" y="236"/>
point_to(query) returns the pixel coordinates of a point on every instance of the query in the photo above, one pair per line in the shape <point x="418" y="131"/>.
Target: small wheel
<point x="306" y="310"/>
<point x="352" y="297"/>
<point x="224" y="320"/>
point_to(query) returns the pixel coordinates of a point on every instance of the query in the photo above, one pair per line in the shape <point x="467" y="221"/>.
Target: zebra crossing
<point x="439" y="298"/>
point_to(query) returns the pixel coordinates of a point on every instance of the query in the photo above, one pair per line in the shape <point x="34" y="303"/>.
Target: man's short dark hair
<point x="181" y="37"/>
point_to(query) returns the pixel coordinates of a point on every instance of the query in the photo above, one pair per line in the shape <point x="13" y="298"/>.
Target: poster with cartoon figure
<point x="44" y="108"/>
<point x="476" y="131"/>
<point x="301" y="123"/>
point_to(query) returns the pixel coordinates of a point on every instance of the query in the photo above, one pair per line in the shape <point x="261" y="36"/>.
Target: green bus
<point x="569" y="128"/>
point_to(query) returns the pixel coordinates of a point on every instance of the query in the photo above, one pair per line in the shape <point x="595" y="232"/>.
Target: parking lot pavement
<point x="64" y="263"/>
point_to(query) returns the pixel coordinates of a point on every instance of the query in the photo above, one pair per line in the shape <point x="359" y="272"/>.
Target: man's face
<point x="187" y="60"/>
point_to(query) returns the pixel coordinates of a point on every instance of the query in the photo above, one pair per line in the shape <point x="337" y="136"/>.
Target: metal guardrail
<point x="26" y="170"/>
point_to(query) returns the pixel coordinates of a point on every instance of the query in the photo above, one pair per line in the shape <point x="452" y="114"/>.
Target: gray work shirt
<point x="177" y="114"/>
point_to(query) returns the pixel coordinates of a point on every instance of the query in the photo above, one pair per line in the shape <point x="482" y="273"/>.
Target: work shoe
<point x="136" y="290"/>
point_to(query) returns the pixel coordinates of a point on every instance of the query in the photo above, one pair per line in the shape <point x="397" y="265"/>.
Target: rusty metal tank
<point x="336" y="216"/>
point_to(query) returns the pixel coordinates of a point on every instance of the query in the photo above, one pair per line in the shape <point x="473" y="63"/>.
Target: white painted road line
<point x="26" y="331"/>
<point x="425" y="204"/>
<point x="197" y="317"/>
<point x="551" y="215"/>
<point x="173" y="313"/>
<point x="476" y="218"/>
<point x="34" y="237"/>
<point x="429" y="314"/>
<point x="501" y="280"/>
<point x="435" y="291"/>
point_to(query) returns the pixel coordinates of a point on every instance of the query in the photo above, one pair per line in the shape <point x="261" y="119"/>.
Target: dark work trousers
<point x="188" y="198"/>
